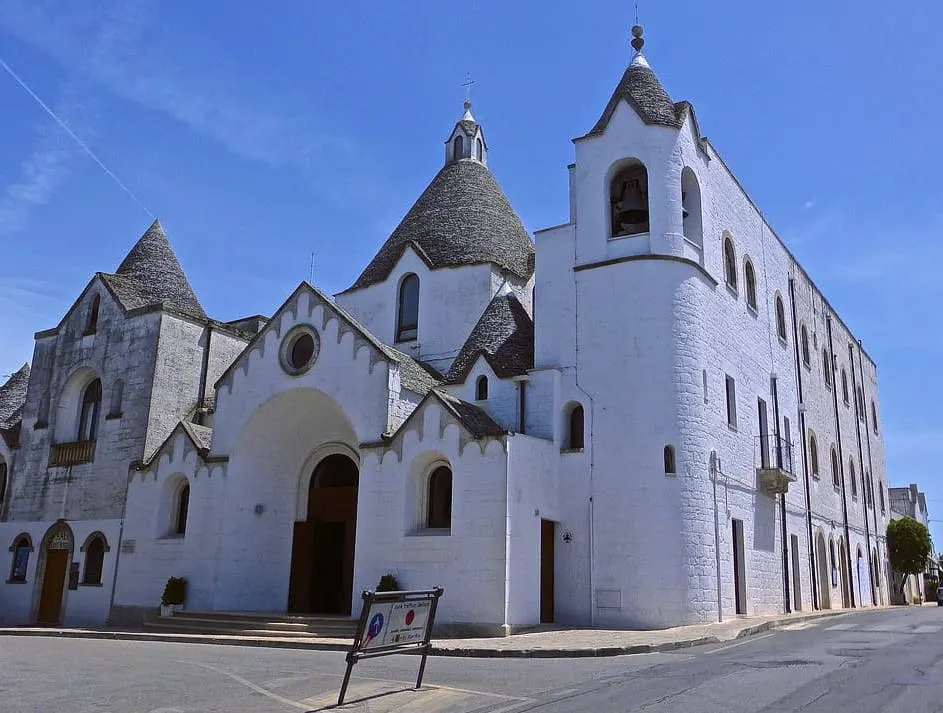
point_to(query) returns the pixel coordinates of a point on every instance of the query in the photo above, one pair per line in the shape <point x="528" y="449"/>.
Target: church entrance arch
<point x="52" y="572"/>
<point x="324" y="539"/>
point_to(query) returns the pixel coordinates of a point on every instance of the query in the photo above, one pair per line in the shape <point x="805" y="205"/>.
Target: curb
<point x="471" y="652"/>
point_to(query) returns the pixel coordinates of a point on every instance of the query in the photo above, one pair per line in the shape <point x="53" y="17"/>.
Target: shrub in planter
<point x="388" y="583"/>
<point x="175" y="592"/>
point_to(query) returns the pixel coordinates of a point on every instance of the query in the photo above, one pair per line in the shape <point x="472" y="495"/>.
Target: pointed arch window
<point x="95" y="548"/>
<point x="749" y="278"/>
<point x="836" y="475"/>
<point x="874" y="417"/>
<point x="827" y="368"/>
<point x="780" y="319"/>
<point x="182" y="511"/>
<point x="730" y="265"/>
<point x="869" y="489"/>
<point x="439" y="511"/>
<point x="575" y="440"/>
<point x="22" y="546"/>
<point x="881" y="496"/>
<point x="407" y="324"/>
<point x="804" y="337"/>
<point x="852" y="476"/>
<point x="91" y="324"/>
<point x="458" y="148"/>
<point x="481" y="388"/>
<point x="814" y="455"/>
<point x="844" y="386"/>
<point x="91" y="407"/>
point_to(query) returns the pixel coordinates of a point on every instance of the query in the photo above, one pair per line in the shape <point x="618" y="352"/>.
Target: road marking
<point x="799" y="626"/>
<point x="252" y="686"/>
<point x="841" y="627"/>
<point x="741" y="643"/>
<point x="928" y="629"/>
<point x="412" y="684"/>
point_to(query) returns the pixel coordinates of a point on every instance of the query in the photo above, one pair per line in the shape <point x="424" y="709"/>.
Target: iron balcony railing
<point x="773" y="452"/>
<point x="72" y="453"/>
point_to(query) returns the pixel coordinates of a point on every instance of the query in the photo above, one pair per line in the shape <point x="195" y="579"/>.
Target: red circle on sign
<point x="410" y="615"/>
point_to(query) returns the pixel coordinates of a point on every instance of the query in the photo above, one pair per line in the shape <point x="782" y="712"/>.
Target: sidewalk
<point x="557" y="643"/>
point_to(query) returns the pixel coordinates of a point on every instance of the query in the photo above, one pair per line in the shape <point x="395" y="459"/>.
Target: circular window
<point x="300" y="349"/>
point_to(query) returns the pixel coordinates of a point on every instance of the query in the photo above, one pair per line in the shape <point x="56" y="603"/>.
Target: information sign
<point x="393" y="623"/>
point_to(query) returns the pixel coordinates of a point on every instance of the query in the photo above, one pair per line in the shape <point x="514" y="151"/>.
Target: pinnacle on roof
<point x="642" y="91"/>
<point x="151" y="275"/>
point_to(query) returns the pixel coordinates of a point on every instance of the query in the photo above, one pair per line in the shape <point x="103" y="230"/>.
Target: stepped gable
<point x="504" y="335"/>
<point x="151" y="275"/>
<point x="462" y="218"/>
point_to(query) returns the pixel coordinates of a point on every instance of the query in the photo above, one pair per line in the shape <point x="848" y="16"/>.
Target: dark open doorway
<point x="322" y="561"/>
<point x="547" y="538"/>
<point x="739" y="573"/>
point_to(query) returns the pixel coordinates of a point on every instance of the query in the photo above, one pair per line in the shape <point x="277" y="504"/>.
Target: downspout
<point x="124" y="509"/>
<point x="864" y="495"/>
<point x="867" y="437"/>
<point x="592" y="453"/>
<point x="841" y="461"/>
<point x="782" y="496"/>
<point x="802" y="438"/>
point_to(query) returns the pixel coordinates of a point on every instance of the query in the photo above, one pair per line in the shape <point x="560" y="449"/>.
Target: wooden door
<point x="302" y="562"/>
<point x="328" y="590"/>
<point x="547" y="532"/>
<point x="50" y="601"/>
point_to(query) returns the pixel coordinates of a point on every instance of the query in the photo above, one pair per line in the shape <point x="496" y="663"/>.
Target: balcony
<point x="773" y="458"/>
<point x="74" y="453"/>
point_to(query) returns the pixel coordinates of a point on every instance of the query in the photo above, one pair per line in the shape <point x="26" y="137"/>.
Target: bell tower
<point x="467" y="140"/>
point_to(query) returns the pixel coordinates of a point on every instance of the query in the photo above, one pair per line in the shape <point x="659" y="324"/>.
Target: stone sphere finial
<point x="467" y="105"/>
<point x="637" y="41"/>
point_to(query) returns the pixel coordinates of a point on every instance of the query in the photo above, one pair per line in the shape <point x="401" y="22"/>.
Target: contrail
<point x="75" y="138"/>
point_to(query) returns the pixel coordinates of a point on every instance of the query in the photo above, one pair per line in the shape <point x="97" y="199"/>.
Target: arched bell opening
<point x="628" y="200"/>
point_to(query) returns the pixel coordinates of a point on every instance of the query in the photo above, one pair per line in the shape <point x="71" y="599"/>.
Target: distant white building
<point x="910" y="502"/>
<point x="647" y="416"/>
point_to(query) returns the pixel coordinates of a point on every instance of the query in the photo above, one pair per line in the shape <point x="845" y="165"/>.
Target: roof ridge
<point x="505" y="338"/>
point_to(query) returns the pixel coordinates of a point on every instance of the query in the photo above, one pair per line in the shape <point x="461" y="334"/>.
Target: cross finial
<point x="468" y="85"/>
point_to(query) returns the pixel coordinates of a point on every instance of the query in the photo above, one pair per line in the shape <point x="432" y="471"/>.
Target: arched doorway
<point x="822" y="561"/>
<point x="53" y="571"/>
<point x="322" y="559"/>
<point x="843" y="570"/>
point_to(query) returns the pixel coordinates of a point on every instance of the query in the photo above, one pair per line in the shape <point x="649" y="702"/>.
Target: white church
<point x="646" y="417"/>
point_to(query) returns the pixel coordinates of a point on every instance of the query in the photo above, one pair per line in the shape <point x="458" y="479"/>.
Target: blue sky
<point x="260" y="136"/>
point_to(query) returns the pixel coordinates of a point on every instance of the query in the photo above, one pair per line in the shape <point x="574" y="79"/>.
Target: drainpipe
<point x="592" y="453"/>
<point x="867" y="437"/>
<point x="864" y="495"/>
<point x="782" y="499"/>
<point x="841" y="461"/>
<point x="124" y="509"/>
<point x="805" y="451"/>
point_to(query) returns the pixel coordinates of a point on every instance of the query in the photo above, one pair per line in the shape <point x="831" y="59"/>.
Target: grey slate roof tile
<point x="643" y="92"/>
<point x="462" y="218"/>
<point x="151" y="275"/>
<point x="474" y="418"/>
<point x="504" y="335"/>
<point x="13" y="397"/>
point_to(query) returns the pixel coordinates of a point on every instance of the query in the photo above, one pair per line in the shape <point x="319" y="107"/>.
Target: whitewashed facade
<point x="654" y="449"/>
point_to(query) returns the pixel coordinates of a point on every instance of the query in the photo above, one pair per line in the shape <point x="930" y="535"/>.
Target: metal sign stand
<point x="388" y="626"/>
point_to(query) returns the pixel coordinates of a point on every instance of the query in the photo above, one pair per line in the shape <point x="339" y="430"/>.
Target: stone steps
<point x="256" y="624"/>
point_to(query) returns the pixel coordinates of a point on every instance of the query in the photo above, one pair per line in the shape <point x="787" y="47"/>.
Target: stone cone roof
<point x="504" y="335"/>
<point x="13" y="397"/>
<point x="151" y="275"/>
<point x="462" y="218"/>
<point x="642" y="91"/>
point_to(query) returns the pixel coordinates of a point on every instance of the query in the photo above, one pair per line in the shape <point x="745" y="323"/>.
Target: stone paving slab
<point x="557" y="643"/>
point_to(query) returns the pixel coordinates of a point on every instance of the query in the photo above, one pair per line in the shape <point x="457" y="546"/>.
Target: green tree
<point x="908" y="546"/>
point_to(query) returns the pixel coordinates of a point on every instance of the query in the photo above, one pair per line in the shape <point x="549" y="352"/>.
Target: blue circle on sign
<point x="376" y="625"/>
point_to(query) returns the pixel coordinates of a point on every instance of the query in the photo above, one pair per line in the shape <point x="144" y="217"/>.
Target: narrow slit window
<point x="670" y="460"/>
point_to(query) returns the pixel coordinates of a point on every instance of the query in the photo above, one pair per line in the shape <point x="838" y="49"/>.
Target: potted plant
<point x="175" y="594"/>
<point x="388" y="583"/>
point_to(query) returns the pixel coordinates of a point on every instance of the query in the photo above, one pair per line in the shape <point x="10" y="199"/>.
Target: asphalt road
<point x="890" y="660"/>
